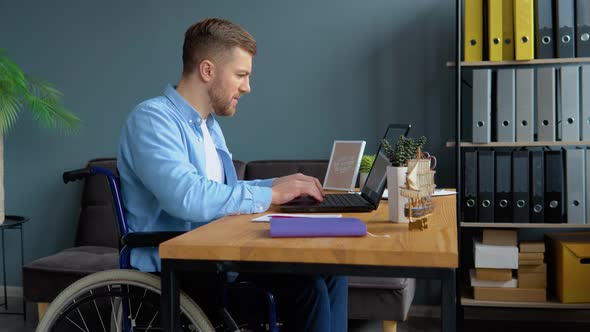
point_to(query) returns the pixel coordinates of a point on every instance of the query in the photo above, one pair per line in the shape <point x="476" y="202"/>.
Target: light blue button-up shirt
<point x="164" y="184"/>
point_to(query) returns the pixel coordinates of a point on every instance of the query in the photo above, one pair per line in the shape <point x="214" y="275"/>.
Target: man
<point x="177" y="172"/>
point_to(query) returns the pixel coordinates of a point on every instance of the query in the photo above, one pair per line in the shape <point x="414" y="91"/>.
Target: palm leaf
<point x="10" y="105"/>
<point x="18" y="90"/>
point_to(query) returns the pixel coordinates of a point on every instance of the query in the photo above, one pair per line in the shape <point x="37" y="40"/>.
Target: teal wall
<point x="325" y="70"/>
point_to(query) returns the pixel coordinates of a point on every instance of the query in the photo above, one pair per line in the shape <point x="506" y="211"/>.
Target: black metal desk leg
<point x="170" y="300"/>
<point x="22" y="263"/>
<point x="4" y="271"/>
<point x="448" y="302"/>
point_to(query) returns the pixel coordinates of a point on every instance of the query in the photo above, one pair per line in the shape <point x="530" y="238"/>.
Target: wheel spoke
<point x="151" y="321"/>
<point x="131" y="319"/>
<point x="82" y="318"/>
<point x="78" y="326"/>
<point x="98" y="314"/>
<point x="141" y="303"/>
<point x="113" y="311"/>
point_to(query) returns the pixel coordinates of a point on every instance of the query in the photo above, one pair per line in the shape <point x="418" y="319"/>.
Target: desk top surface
<point x="237" y="238"/>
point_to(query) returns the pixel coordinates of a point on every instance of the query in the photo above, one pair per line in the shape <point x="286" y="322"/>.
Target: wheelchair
<point x="127" y="300"/>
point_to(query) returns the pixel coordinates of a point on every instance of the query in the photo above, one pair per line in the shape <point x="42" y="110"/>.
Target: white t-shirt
<point x="214" y="166"/>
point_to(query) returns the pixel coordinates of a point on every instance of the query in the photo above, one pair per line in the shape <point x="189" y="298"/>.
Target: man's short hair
<point x="213" y="38"/>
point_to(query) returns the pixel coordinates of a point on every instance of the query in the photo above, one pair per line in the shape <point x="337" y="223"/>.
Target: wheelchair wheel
<point x="100" y="301"/>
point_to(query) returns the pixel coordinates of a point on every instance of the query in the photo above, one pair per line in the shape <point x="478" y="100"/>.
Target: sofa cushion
<point x="46" y="277"/>
<point x="380" y="298"/>
<point x="265" y="169"/>
<point x="240" y="167"/>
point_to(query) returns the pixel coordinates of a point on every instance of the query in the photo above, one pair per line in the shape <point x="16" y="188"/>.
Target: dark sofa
<point x="97" y="241"/>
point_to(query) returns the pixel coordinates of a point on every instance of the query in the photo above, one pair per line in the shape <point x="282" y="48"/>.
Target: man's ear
<point x="206" y="70"/>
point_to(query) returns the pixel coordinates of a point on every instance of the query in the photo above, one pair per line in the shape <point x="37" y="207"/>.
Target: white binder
<point x="524" y="104"/>
<point x="587" y="175"/>
<point x="505" y="103"/>
<point x="482" y="88"/>
<point x="546" y="104"/>
<point x="575" y="170"/>
<point x="585" y="101"/>
<point x="570" y="104"/>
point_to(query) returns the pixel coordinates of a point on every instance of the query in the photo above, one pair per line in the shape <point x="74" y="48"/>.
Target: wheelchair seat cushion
<point x="46" y="277"/>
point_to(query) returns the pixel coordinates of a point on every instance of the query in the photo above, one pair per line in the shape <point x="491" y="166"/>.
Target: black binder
<point x="544" y="44"/>
<point x="503" y="197"/>
<point x="520" y="187"/>
<point x="564" y="28"/>
<point x="537" y="187"/>
<point x="469" y="199"/>
<point x="485" y="179"/>
<point x="582" y="28"/>
<point x="554" y="187"/>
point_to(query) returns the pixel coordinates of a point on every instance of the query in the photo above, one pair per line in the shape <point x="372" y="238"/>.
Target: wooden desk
<point x="234" y="243"/>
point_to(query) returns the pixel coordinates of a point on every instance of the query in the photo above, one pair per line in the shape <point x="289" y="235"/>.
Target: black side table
<point x="13" y="222"/>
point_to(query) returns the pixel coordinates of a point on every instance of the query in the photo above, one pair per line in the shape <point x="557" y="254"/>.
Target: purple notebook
<point x="317" y="227"/>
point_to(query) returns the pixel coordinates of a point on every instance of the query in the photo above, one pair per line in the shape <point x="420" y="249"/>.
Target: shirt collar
<point x="186" y="110"/>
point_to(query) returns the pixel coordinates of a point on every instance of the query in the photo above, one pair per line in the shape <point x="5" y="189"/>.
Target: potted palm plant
<point x="405" y="149"/>
<point x="20" y="91"/>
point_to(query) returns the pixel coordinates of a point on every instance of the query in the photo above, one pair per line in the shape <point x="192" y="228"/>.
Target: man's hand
<point x="289" y="187"/>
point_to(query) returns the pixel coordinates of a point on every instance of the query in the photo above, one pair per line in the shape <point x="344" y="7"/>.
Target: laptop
<point x="344" y="165"/>
<point x="371" y="193"/>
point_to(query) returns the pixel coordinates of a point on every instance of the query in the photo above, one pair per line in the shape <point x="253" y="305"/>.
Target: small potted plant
<point x="366" y="164"/>
<point x="405" y="149"/>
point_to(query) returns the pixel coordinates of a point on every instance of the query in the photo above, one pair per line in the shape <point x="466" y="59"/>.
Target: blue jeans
<point x="314" y="303"/>
<point x="323" y="304"/>
<point x="309" y="303"/>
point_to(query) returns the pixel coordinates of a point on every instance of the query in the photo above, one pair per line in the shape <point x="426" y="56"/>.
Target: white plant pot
<point x="362" y="179"/>
<point x="396" y="177"/>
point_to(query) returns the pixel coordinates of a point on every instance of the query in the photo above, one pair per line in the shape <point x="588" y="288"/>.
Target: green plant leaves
<point x="405" y="149"/>
<point x="18" y="90"/>
<point x="366" y="163"/>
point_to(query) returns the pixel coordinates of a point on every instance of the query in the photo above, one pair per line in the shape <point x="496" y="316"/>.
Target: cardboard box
<point x="531" y="256"/>
<point x="532" y="246"/>
<point x="540" y="268"/>
<point x="512" y="283"/>
<point x="494" y="256"/>
<point x="571" y="256"/>
<point x="493" y="274"/>
<point x="509" y="294"/>
<point x="532" y="279"/>
<point x="535" y="262"/>
<point x="500" y="237"/>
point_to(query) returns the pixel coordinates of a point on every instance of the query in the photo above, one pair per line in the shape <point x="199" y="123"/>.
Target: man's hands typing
<point x="286" y="188"/>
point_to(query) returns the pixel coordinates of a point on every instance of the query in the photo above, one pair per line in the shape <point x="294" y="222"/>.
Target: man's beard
<point x="219" y="104"/>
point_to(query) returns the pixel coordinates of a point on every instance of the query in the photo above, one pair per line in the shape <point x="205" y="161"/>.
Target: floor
<point x="15" y="323"/>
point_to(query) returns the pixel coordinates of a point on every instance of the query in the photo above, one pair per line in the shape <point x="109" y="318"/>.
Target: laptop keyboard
<point x="343" y="200"/>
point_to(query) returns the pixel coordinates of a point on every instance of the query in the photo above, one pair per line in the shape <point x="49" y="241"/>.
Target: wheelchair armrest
<point x="147" y="239"/>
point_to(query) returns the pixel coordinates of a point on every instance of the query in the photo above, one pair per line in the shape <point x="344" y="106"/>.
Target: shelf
<point x="550" y="304"/>
<point x="452" y="64"/>
<point x="520" y="225"/>
<point x="451" y="144"/>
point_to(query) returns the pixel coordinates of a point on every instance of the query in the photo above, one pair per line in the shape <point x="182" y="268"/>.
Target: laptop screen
<point x="377" y="178"/>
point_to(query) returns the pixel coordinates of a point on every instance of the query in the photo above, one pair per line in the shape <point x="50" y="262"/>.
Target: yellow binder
<point x="507" y="30"/>
<point x="524" y="30"/>
<point x="473" y="31"/>
<point x="495" y="30"/>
